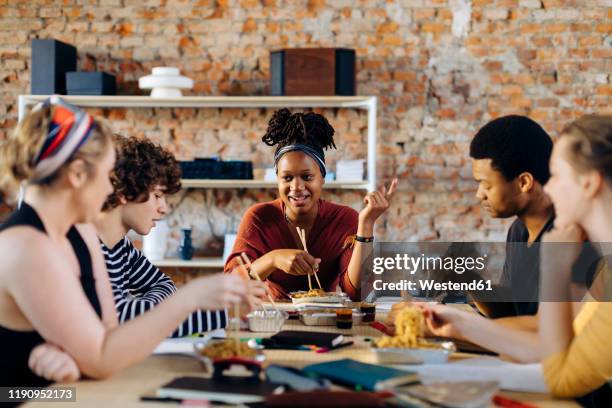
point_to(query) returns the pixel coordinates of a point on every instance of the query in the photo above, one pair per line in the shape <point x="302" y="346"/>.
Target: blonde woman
<point x="53" y="282"/>
<point x="580" y="187"/>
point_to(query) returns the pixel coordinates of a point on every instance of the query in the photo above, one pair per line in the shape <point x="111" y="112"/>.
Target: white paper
<point x="511" y="376"/>
<point x="176" y="346"/>
<point x="386" y="302"/>
<point x="184" y="345"/>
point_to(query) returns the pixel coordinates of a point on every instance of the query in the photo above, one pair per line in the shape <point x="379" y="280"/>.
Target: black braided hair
<point x="286" y="128"/>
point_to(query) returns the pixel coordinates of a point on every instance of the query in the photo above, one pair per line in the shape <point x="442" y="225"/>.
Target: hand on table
<point x="54" y="364"/>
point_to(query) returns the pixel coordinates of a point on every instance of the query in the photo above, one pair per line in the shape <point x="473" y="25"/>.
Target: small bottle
<point x="369" y="312"/>
<point x="185" y="248"/>
<point x="344" y="318"/>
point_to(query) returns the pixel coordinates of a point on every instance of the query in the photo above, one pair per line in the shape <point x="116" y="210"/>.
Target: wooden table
<point x="125" y="388"/>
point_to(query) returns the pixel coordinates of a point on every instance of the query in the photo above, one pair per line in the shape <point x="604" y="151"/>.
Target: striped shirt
<point x="138" y="286"/>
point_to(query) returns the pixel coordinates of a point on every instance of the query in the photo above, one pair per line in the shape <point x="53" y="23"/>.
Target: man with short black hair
<point x="510" y="158"/>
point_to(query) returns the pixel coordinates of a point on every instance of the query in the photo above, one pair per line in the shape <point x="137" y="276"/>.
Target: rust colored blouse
<point x="264" y="228"/>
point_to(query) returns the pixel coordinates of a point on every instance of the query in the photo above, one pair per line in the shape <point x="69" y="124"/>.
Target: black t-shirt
<point x="521" y="271"/>
<point x="522" y="267"/>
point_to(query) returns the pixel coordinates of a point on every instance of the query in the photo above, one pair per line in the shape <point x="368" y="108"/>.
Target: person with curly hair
<point x="55" y="295"/>
<point x="143" y="176"/>
<point x="337" y="237"/>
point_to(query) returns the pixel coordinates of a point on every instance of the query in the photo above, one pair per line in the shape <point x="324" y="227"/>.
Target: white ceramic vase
<point x="165" y="82"/>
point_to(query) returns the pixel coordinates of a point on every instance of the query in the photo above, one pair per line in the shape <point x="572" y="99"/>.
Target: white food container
<point x="269" y="321"/>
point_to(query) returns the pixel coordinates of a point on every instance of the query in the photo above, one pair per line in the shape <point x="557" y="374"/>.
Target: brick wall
<point x="441" y="69"/>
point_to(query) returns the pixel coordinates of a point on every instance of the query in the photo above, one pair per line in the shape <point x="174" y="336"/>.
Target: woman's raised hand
<point x="377" y="202"/>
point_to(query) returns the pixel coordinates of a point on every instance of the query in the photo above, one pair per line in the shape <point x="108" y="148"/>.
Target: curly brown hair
<point x="141" y="166"/>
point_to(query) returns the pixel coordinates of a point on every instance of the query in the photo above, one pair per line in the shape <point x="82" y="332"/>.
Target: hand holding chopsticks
<point x="248" y="267"/>
<point x="302" y="234"/>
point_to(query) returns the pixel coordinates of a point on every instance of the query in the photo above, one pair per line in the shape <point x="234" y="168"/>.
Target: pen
<point x="184" y="402"/>
<point x="381" y="327"/>
<point x="506" y="402"/>
<point x="326" y="349"/>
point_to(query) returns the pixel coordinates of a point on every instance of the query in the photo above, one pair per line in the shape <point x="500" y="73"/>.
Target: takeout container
<point x="331" y="297"/>
<point x="208" y="363"/>
<point x="266" y="321"/>
<point x="394" y="356"/>
<point x="325" y="317"/>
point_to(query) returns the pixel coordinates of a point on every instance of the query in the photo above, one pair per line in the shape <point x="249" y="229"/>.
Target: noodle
<point x="311" y="293"/>
<point x="227" y="349"/>
<point x="409" y="329"/>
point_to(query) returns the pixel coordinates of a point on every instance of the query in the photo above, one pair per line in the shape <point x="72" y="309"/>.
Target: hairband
<point x="69" y="129"/>
<point x="309" y="150"/>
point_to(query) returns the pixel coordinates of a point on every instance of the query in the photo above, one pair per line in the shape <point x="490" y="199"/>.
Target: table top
<point x="125" y="388"/>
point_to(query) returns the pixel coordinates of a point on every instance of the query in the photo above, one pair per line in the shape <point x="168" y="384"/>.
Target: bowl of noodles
<point x="210" y="351"/>
<point x="408" y="345"/>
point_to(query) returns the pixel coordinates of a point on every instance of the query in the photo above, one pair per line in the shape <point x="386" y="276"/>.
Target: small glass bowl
<point x="266" y="320"/>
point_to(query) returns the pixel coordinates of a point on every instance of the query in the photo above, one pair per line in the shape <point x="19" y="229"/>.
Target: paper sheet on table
<point x="384" y="303"/>
<point x="511" y="376"/>
<point x="184" y="345"/>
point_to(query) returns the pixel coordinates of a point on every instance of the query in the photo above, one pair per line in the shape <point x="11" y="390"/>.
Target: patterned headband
<point x="309" y="150"/>
<point x="69" y="129"/>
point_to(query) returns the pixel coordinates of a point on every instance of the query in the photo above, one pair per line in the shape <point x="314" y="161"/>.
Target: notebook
<point x="297" y="338"/>
<point x="364" y="376"/>
<point x="232" y="390"/>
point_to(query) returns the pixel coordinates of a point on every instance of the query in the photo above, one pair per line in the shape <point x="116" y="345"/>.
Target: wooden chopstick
<point x="237" y="327"/>
<point x="302" y="234"/>
<point x="245" y="268"/>
<point x="248" y="262"/>
<point x="299" y="231"/>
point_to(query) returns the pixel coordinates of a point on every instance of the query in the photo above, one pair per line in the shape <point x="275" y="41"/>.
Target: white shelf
<point x="230" y="184"/>
<point x="192" y="263"/>
<point x="368" y="103"/>
<point x="113" y="101"/>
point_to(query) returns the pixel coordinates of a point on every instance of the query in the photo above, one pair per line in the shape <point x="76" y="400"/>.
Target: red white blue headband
<point x="69" y="129"/>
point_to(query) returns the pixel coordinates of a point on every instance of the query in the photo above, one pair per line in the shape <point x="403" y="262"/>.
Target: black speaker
<point x="345" y="72"/>
<point x="51" y="59"/>
<point x="312" y="71"/>
<point x="90" y="83"/>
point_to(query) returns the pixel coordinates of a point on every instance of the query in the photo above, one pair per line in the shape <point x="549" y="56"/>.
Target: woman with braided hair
<point x="337" y="237"/>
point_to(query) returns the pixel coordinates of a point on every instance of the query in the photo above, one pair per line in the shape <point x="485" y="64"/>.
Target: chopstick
<point x="237" y="327"/>
<point x="302" y="234"/>
<point x="248" y="262"/>
<point x="299" y="231"/>
<point x="245" y="268"/>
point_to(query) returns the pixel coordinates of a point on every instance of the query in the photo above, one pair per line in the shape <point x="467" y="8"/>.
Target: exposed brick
<point x="549" y="59"/>
<point x="432" y="28"/>
<point x="532" y="4"/>
<point x="496" y="14"/>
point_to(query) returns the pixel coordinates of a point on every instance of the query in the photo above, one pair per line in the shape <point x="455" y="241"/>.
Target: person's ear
<point x="77" y="173"/>
<point x="525" y="182"/>
<point x="591" y="183"/>
<point x="122" y="199"/>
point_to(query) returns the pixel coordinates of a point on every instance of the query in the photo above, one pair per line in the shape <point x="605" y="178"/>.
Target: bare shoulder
<point x="25" y="248"/>
<point x="89" y="235"/>
<point x="22" y="242"/>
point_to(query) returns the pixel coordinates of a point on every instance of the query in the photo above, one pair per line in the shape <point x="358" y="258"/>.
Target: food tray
<point x="207" y="362"/>
<point x="437" y="355"/>
<point x="324" y="318"/>
<point x="331" y="297"/>
<point x="266" y="321"/>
